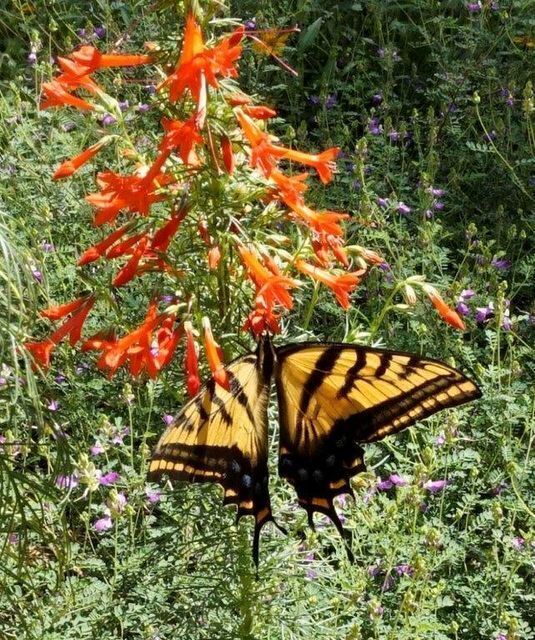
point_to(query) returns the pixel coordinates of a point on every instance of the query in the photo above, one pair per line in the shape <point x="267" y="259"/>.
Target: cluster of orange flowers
<point x="151" y="345"/>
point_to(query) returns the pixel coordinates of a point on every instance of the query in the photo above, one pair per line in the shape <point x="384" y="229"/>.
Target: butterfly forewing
<point x="221" y="436"/>
<point x="334" y="397"/>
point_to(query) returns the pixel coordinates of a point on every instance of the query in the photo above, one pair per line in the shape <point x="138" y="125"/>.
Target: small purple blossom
<point x="99" y="32"/>
<point x="331" y="101"/>
<point x="374" y="569"/>
<point x="438" y="205"/>
<point x="501" y="636"/>
<point x="398" y="480"/>
<point x="3" y="381"/>
<point x="403" y="208"/>
<point x="143" y="107"/>
<point x="124" y="105"/>
<point x="404" y="570"/>
<point x="96" y="449"/>
<point x="13" y="538"/>
<point x="383" y="202"/>
<point x="38" y="276"/>
<point x="250" y="25"/>
<point x="462" y="308"/>
<point x="384" y="485"/>
<point x="153" y="495"/>
<point x="109" y="478"/>
<point x="81" y="33"/>
<point x="393" y="135"/>
<point x="374" y="127"/>
<point x="119" y="436"/>
<point x="168" y="298"/>
<point x="103" y="524"/>
<point x="507" y="324"/>
<point x="107" y="120"/>
<point x="60" y="378"/>
<point x="32" y="57"/>
<point x="466" y="294"/>
<point x="500" y="263"/>
<point x="68" y="126"/>
<point x="67" y="482"/>
<point x="484" y="313"/>
<point x="168" y="418"/>
<point x="315" y="100"/>
<point x="474" y="7"/>
<point x="150" y="89"/>
<point x="377" y="99"/>
<point x="438" y="193"/>
<point x="440" y="439"/>
<point x="53" y="405"/>
<point x="434" y="486"/>
<point x="47" y="247"/>
<point x="518" y="543"/>
<point x="490" y="136"/>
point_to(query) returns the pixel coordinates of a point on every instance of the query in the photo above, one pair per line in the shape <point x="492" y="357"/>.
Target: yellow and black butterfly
<point x="332" y="399"/>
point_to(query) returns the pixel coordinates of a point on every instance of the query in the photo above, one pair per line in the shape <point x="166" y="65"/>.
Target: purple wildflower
<point x="67" y="482"/>
<point x="466" y="294"/>
<point x="168" y="418"/>
<point x="397" y="480"/>
<point x="124" y="105"/>
<point x="119" y="436"/>
<point x="107" y="120"/>
<point x="474" y="7"/>
<point x="506" y="322"/>
<point x="384" y="485"/>
<point x="518" y="543"/>
<point x="383" y="202"/>
<point x="38" y="276"/>
<point x="388" y="583"/>
<point x="250" y="25"/>
<point x="381" y="52"/>
<point x="500" y="263"/>
<point x="109" y="478"/>
<point x="47" y="247"/>
<point x="377" y="99"/>
<point x="462" y="308"/>
<point x="103" y="524"/>
<point x="429" y="213"/>
<point x="99" y="32"/>
<point x="434" y="486"/>
<point x="374" y="569"/>
<point x="490" y="136"/>
<point x="331" y="101"/>
<point x="150" y="89"/>
<point x="60" y="378"/>
<point x="153" y="495"/>
<point x="484" y="313"/>
<point x="438" y="205"/>
<point x="3" y="381"/>
<point x="374" y="127"/>
<point x="96" y="449"/>
<point x="315" y="100"/>
<point x="168" y="299"/>
<point x="81" y="33"/>
<point x="440" y="439"/>
<point x="438" y="193"/>
<point x="32" y="57"/>
<point x="357" y="185"/>
<point x="53" y="405"/>
<point x="404" y="570"/>
<point x="403" y="208"/>
<point x="13" y="538"/>
<point x="393" y="135"/>
<point x="501" y="636"/>
<point x="143" y="107"/>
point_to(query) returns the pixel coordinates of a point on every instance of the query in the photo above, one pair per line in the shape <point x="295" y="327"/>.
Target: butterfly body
<point x="332" y="398"/>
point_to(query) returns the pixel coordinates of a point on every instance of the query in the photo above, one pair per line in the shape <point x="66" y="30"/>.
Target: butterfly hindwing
<point x="334" y="397"/>
<point x="221" y="436"/>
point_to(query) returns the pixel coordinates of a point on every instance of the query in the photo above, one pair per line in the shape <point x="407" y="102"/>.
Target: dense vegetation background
<point x="433" y="107"/>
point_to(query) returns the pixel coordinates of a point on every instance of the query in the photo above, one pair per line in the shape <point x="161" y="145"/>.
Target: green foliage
<point x="455" y="563"/>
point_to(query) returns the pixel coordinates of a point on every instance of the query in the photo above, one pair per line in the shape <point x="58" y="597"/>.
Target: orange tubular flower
<point x="191" y="362"/>
<point x="99" y="249"/>
<point x="259" y="112"/>
<point x="447" y="314"/>
<point x="228" y="155"/>
<point x="69" y="167"/>
<point x="290" y="188"/>
<point x="322" y="222"/>
<point x="214" y="257"/>
<point x="80" y="308"/>
<point x="143" y="348"/>
<point x="130" y="270"/>
<point x="134" y="193"/>
<point x="162" y="238"/>
<point x="182" y="136"/>
<point x="214" y="356"/>
<point x="272" y="288"/>
<point x="88" y="59"/>
<point x="341" y="285"/>
<point x="55" y="95"/>
<point x="322" y="162"/>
